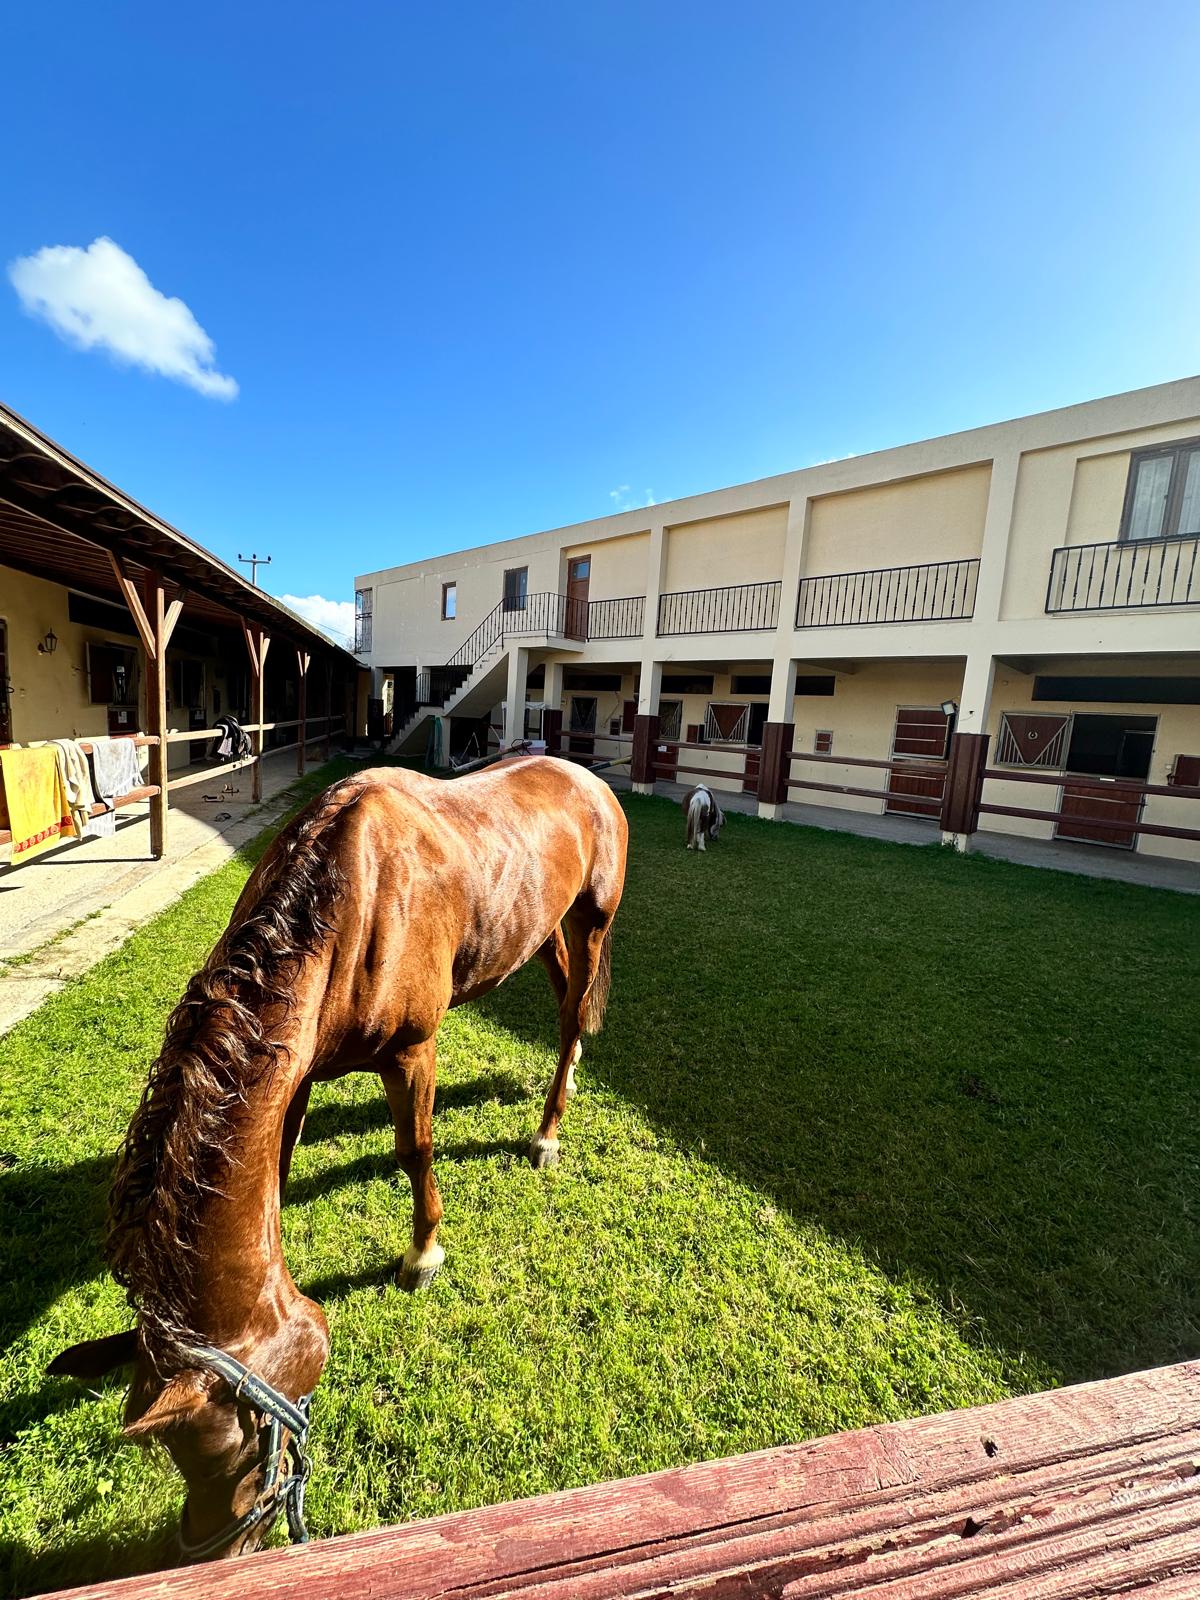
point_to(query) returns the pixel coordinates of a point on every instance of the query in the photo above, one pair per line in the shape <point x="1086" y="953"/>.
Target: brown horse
<point x="390" y="899"/>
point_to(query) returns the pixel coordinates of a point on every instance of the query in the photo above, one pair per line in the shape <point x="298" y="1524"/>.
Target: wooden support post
<point x="328" y="709"/>
<point x="964" y="787"/>
<point x="257" y="645"/>
<point x="552" y="730"/>
<point x="155" y="623"/>
<point x="641" y="766"/>
<point x="302" y="660"/>
<point x="156" y="712"/>
<point x="775" y="768"/>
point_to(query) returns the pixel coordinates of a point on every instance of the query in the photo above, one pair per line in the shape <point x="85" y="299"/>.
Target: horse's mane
<point x="220" y="1041"/>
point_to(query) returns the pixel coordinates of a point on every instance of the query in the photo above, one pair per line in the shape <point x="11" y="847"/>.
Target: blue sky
<point x="476" y="270"/>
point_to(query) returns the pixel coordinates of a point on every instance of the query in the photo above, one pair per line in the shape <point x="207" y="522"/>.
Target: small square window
<point x="449" y="602"/>
<point x="823" y="742"/>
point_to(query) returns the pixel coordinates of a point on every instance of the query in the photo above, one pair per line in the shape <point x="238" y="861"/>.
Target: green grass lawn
<point x="871" y="1131"/>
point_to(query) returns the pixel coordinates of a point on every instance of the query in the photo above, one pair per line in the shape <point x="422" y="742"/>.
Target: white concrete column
<point x="552" y="692"/>
<point x="783" y="690"/>
<point x="794" y="544"/>
<point x="516" y="695"/>
<point x="997" y="526"/>
<point x="649" y="688"/>
<point x="975" y="702"/>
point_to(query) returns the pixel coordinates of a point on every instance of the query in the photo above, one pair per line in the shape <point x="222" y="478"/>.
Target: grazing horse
<point x="390" y="899"/>
<point x="705" y="819"/>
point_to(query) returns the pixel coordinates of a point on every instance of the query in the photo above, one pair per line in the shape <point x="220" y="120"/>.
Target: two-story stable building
<point x="997" y="629"/>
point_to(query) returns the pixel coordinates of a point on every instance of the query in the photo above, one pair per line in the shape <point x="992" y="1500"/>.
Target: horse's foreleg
<point x="293" y="1122"/>
<point x="583" y="958"/>
<point x="409" y="1083"/>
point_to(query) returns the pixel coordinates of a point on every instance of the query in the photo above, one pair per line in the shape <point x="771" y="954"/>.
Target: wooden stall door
<point x="921" y="734"/>
<point x="1098" y="799"/>
<point x="579" y="580"/>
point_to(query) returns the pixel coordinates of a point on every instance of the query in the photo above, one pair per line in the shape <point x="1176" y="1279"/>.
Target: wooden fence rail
<point x="1078" y="1493"/>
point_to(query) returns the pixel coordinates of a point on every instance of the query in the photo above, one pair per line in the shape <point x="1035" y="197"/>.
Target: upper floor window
<point x="516" y="588"/>
<point x="362" y="618"/>
<point x="1162" y="499"/>
<point x="449" y="602"/>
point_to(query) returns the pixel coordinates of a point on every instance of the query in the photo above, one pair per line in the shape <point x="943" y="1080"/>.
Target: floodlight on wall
<point x="950" y="708"/>
<point x="48" y="645"/>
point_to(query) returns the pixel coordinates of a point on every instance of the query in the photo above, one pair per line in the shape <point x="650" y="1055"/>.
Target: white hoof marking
<point x="543" y="1152"/>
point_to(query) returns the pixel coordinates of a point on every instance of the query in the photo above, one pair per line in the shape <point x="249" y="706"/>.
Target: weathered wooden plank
<point x="1077" y="1492"/>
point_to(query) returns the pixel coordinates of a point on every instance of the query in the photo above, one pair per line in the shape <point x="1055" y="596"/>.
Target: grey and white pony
<point x="705" y="818"/>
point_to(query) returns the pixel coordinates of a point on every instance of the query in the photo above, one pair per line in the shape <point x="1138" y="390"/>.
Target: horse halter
<point x="279" y="1487"/>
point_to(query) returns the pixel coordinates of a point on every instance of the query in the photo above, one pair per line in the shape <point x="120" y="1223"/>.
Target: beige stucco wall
<point x="618" y="566"/>
<point x="1069" y="495"/>
<point x="938" y="517"/>
<point x="49" y="696"/>
<point x="746" y="548"/>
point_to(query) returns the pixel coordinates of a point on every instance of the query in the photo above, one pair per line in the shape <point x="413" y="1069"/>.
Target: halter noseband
<point x="278" y="1487"/>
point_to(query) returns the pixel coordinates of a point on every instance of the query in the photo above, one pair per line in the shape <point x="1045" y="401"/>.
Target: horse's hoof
<point x="419" y="1271"/>
<point x="543" y="1153"/>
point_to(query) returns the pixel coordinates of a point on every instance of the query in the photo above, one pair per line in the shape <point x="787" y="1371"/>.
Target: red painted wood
<point x="1080" y="1492"/>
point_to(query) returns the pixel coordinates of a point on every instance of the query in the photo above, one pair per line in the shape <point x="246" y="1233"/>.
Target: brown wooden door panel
<point x="921" y="733"/>
<point x="1098" y="800"/>
<point x="750" y="776"/>
<point x="666" y="759"/>
<point x="579" y="581"/>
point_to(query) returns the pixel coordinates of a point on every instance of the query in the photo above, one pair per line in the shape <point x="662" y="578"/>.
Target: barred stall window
<point x="726" y="724"/>
<point x="670" y="719"/>
<point x="1032" y="739"/>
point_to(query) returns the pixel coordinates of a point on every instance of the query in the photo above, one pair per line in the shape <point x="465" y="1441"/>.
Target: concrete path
<point x="66" y="910"/>
<point x="1089" y="861"/>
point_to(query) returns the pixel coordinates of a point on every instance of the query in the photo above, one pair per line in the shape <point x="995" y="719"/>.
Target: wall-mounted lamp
<point x="950" y="708"/>
<point x="48" y="645"/>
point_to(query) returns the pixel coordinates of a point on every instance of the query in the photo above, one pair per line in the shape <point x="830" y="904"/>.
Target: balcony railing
<point x="1125" y="576"/>
<point x="617" y="619"/>
<point x="741" y="608"/>
<point x="936" y="591"/>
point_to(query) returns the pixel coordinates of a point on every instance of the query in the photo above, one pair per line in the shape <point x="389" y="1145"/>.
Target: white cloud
<point x="334" y="617"/>
<point x="100" y="299"/>
<point x="623" y="500"/>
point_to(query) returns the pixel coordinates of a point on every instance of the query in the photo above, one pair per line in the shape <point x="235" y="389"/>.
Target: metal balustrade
<point x="933" y="591"/>
<point x="617" y="619"/>
<point x="737" y="608"/>
<point x="1124" y="575"/>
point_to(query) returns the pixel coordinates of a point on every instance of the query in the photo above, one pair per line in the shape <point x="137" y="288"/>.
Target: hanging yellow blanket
<point x="39" y="809"/>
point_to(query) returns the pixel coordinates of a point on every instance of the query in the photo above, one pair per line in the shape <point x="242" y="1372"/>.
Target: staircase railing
<point x="516" y="615"/>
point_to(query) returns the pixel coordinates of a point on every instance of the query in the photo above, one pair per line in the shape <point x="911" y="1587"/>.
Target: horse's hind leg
<point x="409" y="1083"/>
<point x="555" y="957"/>
<point x="583" y="963"/>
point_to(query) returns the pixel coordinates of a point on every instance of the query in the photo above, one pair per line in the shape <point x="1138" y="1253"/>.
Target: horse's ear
<point x="182" y="1397"/>
<point x="95" y="1358"/>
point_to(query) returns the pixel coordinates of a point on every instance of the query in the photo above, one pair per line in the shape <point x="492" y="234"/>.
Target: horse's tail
<point x="597" y="996"/>
<point x="695" y="818"/>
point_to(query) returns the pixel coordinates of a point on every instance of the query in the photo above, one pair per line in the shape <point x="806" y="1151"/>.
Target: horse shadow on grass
<point x="925" y="1067"/>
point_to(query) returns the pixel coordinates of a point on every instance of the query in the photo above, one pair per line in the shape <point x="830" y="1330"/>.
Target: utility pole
<point x="254" y="562"/>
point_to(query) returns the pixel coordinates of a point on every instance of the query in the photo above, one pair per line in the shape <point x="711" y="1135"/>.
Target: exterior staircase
<point x="476" y="676"/>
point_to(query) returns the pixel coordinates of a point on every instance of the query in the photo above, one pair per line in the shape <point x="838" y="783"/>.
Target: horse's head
<point x="232" y="1429"/>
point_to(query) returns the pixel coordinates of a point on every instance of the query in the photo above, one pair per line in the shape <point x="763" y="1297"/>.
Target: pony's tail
<point x="596" y="1003"/>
